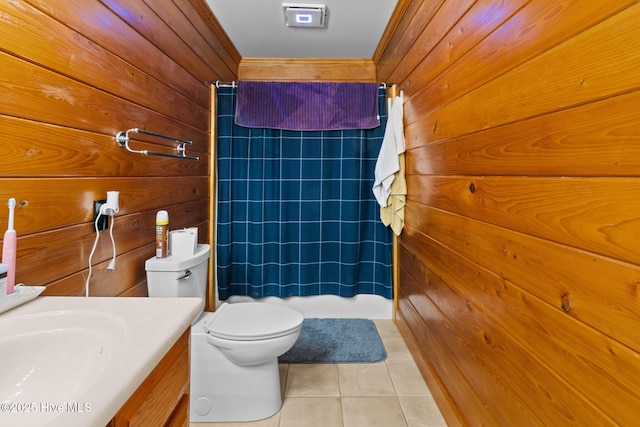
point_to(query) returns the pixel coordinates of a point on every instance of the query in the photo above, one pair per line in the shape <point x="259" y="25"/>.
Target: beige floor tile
<point x="284" y="370"/>
<point x="365" y="380"/>
<point x="273" y="421"/>
<point x="397" y="350"/>
<point x="407" y="379"/>
<point x="372" y="412"/>
<point x="386" y="328"/>
<point x="311" y="412"/>
<point x="388" y="394"/>
<point x="312" y="381"/>
<point x="421" y="411"/>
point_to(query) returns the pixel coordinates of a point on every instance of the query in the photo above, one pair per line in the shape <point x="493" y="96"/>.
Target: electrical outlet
<point x="103" y="222"/>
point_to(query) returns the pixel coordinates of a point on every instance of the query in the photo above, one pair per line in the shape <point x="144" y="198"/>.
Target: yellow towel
<point x="393" y="213"/>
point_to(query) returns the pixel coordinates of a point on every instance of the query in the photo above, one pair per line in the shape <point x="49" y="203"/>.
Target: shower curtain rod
<point x="220" y="84"/>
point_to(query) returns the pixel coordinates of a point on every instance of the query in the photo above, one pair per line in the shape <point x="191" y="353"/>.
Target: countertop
<point x="141" y="331"/>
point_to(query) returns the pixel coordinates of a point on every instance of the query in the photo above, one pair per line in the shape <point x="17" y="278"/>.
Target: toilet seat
<point x="252" y="321"/>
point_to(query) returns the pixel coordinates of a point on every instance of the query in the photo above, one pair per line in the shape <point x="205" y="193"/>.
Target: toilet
<point x="234" y="351"/>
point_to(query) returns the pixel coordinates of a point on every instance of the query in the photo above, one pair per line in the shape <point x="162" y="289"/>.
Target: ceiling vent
<point x="304" y="15"/>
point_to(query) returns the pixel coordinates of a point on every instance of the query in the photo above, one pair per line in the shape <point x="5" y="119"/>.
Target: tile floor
<point x="389" y="393"/>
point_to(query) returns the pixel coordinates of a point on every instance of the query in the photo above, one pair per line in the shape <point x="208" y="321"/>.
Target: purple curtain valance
<point x="307" y="105"/>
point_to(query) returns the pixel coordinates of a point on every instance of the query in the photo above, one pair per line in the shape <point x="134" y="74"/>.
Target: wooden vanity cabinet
<point x="163" y="398"/>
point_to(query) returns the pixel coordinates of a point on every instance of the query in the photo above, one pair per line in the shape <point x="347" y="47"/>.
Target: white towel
<point x="392" y="145"/>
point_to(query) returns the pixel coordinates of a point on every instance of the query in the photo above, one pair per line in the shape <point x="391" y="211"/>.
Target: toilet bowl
<point x="234" y="351"/>
<point x="250" y="334"/>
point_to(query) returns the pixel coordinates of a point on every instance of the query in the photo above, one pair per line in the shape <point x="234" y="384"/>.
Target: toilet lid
<point x="253" y="321"/>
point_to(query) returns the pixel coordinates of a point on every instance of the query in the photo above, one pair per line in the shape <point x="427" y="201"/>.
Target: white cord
<point x="95" y="244"/>
<point x="112" y="263"/>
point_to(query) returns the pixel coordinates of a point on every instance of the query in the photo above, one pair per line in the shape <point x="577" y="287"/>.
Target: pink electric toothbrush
<point x="9" y="249"/>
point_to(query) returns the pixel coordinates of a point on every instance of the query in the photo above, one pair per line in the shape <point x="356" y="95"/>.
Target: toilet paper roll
<point x="183" y="243"/>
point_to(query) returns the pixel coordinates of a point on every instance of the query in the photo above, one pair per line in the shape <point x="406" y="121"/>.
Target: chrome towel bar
<point x="122" y="138"/>
<point x="220" y="84"/>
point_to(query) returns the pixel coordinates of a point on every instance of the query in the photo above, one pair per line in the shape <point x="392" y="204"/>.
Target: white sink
<point x="75" y="361"/>
<point x="50" y="358"/>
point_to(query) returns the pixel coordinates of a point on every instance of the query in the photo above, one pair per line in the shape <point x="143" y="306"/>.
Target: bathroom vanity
<point x="96" y="361"/>
<point x="163" y="398"/>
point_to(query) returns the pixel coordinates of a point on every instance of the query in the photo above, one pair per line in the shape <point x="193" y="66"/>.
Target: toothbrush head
<point x="11" y="204"/>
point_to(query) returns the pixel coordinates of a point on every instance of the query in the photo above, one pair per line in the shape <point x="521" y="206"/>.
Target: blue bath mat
<point x="336" y="341"/>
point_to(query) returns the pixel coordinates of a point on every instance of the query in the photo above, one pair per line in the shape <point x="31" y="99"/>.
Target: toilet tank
<point x="179" y="277"/>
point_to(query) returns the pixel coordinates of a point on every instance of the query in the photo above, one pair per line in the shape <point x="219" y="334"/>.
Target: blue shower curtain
<point x="296" y="214"/>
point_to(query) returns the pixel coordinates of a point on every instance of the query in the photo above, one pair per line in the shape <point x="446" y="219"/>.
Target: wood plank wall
<point x="73" y="75"/>
<point x="520" y="259"/>
<point x="305" y="69"/>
